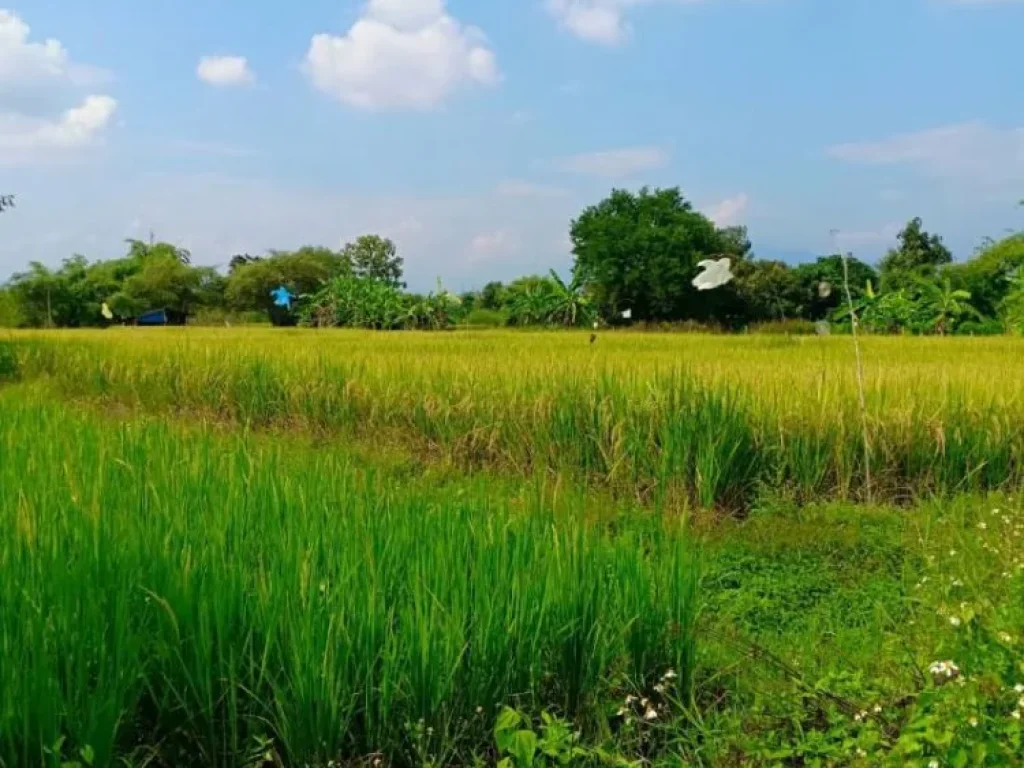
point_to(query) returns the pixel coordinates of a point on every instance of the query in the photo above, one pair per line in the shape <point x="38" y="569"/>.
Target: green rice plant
<point x="179" y="595"/>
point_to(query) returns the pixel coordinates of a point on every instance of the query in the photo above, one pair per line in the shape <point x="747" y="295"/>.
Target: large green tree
<point x="303" y="272"/>
<point x="821" y="284"/>
<point x="989" y="275"/>
<point x="917" y="255"/>
<point x="377" y="258"/>
<point x="640" y="251"/>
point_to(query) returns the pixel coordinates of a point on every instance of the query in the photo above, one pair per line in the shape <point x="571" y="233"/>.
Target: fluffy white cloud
<point x="615" y="163"/>
<point x="401" y="54"/>
<point x="23" y="139"/>
<point x="728" y="212"/>
<point x="34" y="78"/>
<point x="974" y="150"/>
<point x="597" y="21"/>
<point x="225" y="71"/>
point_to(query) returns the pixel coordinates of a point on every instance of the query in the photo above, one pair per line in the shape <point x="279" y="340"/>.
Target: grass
<point x="267" y="548"/>
<point x="197" y="594"/>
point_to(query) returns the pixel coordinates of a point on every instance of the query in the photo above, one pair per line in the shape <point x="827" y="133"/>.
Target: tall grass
<point x="181" y="597"/>
<point x="714" y="418"/>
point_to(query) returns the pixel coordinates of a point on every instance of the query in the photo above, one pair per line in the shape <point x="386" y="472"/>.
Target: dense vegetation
<point x="255" y="548"/>
<point x="635" y="257"/>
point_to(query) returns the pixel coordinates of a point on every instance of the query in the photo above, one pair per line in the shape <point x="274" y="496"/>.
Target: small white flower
<point x="878" y="708"/>
<point x="659" y="689"/>
<point x="861" y="752"/>
<point x="954" y="620"/>
<point x="933" y="764"/>
<point x="1019" y="687"/>
<point x="622" y="712"/>
<point x="1015" y="714"/>
<point x="1005" y="637"/>
<point x="650" y="714"/>
<point x="983" y="525"/>
<point x="715" y="274"/>
<point x="956" y="583"/>
<point x="973" y="721"/>
<point x="671" y="675"/>
<point x="479" y="710"/>
<point x="952" y="553"/>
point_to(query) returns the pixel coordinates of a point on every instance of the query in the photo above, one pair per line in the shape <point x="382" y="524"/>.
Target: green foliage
<point x="918" y="255"/>
<point x="521" y="746"/>
<point x="302" y="272"/>
<point x="376" y="258"/>
<point x="486" y="318"/>
<point x="358" y="302"/>
<point x="492" y="296"/>
<point x="10" y="310"/>
<point x="767" y="290"/>
<point x="640" y="252"/>
<point x="990" y="274"/>
<point x="821" y="290"/>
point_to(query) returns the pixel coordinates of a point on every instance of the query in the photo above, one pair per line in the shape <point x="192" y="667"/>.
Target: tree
<point x="240" y="260"/>
<point x="990" y="273"/>
<point x="377" y="258"/>
<point x="945" y="305"/>
<point x="302" y="272"/>
<point x="567" y="304"/>
<point x="918" y="255"/>
<point x="492" y="296"/>
<point x="6" y="201"/>
<point x="137" y="249"/>
<point x="821" y="284"/>
<point x="640" y="252"/>
<point x="768" y="290"/>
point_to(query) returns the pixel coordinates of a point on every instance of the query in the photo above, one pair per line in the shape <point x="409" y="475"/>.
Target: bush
<point x="988" y="327"/>
<point x="785" y="327"/>
<point x="10" y="313"/>
<point x="489" y="318"/>
<point x="216" y="316"/>
<point x="8" y="362"/>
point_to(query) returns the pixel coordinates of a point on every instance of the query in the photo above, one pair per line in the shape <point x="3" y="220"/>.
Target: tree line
<point x="635" y="257"/>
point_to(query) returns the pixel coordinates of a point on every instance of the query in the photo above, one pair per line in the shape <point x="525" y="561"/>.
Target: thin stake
<point x="860" y="375"/>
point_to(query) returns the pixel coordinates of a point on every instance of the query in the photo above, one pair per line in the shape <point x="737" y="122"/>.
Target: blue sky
<point x="472" y="131"/>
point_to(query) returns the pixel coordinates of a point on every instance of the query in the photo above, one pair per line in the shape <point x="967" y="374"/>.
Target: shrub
<point x="987" y="327"/>
<point x="491" y="318"/>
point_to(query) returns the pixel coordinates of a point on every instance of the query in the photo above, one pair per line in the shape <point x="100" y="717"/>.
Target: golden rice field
<point x="716" y="417"/>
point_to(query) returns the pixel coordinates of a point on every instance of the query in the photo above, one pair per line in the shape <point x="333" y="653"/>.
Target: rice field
<point x="298" y="548"/>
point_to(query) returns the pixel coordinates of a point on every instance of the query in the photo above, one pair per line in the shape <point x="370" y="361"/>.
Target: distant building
<point x="161" y="317"/>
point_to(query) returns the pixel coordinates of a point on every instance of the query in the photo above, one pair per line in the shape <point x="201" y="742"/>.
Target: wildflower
<point x="1005" y="637"/>
<point x="952" y="553"/>
<point x="933" y="764"/>
<point x="877" y="709"/>
<point x="630" y="699"/>
<point x="1019" y="687"/>
<point x="670" y="675"/>
<point x="659" y="689"/>
<point x="861" y="752"/>
<point x="715" y="274"/>
<point x="1015" y="714"/>
<point x="479" y="710"/>
<point x="983" y="525"/>
<point x="954" y="620"/>
<point x="956" y="583"/>
<point x="973" y="722"/>
<point x="622" y="712"/>
<point x="650" y="714"/>
<point x="943" y="671"/>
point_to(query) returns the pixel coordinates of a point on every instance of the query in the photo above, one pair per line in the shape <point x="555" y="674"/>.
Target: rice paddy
<point x="255" y="547"/>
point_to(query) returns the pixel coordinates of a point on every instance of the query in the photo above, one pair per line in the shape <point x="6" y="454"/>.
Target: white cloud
<point x="24" y="139"/>
<point x="728" y="212"/>
<point x="974" y="150"/>
<point x="490" y="245"/>
<point x="34" y="77"/>
<point x="401" y="54"/>
<point x="521" y="188"/>
<point x="615" y="163"/>
<point x="225" y="71"/>
<point x="597" y="21"/>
